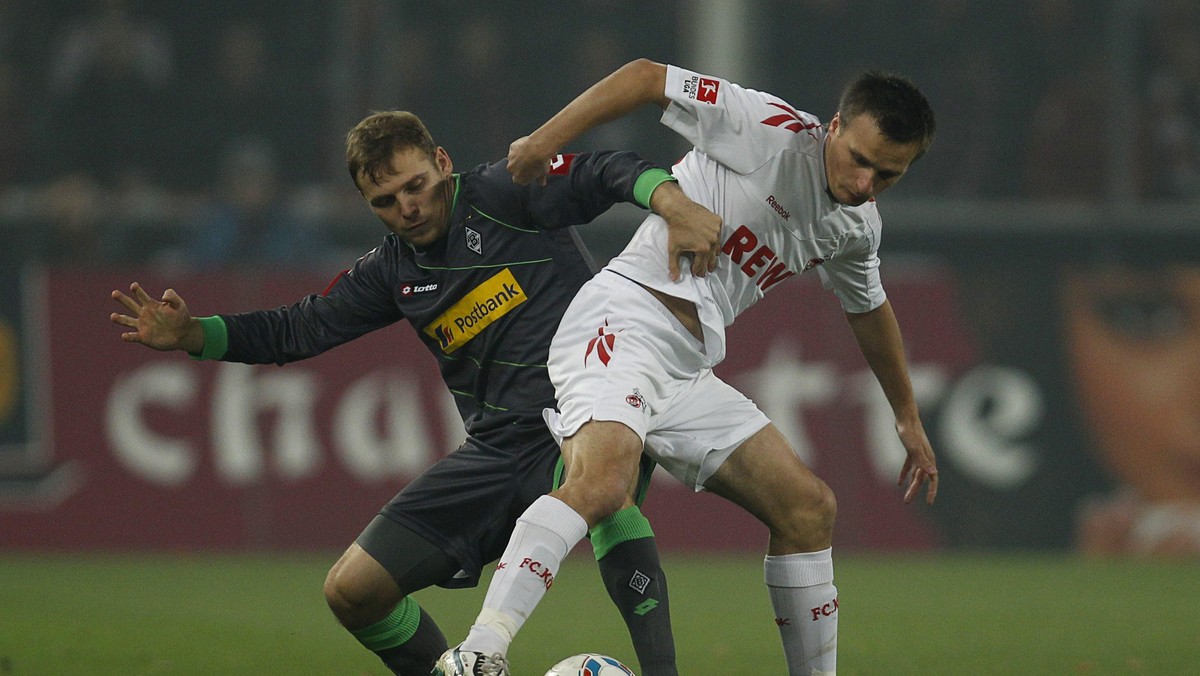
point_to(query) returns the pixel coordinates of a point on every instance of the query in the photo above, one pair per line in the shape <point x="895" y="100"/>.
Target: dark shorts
<point x="467" y="503"/>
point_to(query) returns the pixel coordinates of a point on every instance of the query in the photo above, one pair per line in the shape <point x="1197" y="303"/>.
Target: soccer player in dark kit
<point x="483" y="269"/>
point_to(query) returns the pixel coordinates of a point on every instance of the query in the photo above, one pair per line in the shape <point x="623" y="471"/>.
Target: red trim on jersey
<point x="790" y="120"/>
<point x="335" y="281"/>
<point x="561" y="164"/>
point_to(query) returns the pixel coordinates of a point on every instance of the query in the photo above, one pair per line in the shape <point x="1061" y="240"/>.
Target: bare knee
<point x="823" y="509"/>
<point x="345" y="599"/>
<point x="766" y="478"/>
<point x="595" y="497"/>
<point x="806" y="521"/>
<point x="602" y="470"/>
<point x="359" y="591"/>
<point x="338" y="593"/>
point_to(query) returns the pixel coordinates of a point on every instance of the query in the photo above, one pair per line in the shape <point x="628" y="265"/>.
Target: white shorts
<point x="619" y="355"/>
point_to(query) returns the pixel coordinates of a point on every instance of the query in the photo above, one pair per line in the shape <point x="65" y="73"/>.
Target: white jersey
<point x="759" y="164"/>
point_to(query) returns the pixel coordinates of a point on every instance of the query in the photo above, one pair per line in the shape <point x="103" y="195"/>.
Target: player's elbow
<point x="645" y="66"/>
<point x="648" y="78"/>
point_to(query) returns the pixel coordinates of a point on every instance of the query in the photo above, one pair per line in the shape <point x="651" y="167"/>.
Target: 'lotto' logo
<point x="409" y="289"/>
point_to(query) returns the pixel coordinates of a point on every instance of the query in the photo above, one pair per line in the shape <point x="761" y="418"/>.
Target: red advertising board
<point x="154" y="450"/>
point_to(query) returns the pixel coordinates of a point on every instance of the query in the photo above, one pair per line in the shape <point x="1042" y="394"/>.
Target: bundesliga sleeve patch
<point x="485" y="304"/>
<point x="561" y="164"/>
<point x="702" y="89"/>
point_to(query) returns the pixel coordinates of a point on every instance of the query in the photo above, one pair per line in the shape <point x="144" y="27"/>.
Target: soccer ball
<point x="589" y="664"/>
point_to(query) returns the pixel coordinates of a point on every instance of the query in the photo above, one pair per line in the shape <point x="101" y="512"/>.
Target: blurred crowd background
<point x="1046" y="250"/>
<point x="209" y="133"/>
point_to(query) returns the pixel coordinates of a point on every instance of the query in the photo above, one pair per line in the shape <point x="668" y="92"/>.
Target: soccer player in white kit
<point x="632" y="359"/>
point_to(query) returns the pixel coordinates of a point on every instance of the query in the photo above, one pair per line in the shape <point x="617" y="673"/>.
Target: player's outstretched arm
<point x="626" y="89"/>
<point x="160" y="324"/>
<point x="692" y="230"/>
<point x="878" y="336"/>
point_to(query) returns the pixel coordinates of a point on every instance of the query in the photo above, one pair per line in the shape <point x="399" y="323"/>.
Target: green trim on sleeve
<point x="647" y="182"/>
<point x="216" y="338"/>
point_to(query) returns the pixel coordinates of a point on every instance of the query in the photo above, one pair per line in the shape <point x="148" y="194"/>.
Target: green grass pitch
<point x="935" y="614"/>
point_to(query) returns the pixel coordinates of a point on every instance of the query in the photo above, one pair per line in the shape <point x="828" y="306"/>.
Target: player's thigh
<point x="702" y="425"/>
<point x="618" y="356"/>
<point x="467" y="503"/>
<point x="765" y="477"/>
<point x="389" y="561"/>
<point x="603" y="462"/>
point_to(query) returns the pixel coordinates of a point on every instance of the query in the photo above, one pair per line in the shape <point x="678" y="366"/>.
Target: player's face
<point x="1133" y="340"/>
<point x="413" y="198"/>
<point x="860" y="162"/>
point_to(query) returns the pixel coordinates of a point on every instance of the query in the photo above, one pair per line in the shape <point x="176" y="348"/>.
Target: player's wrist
<point x="657" y="190"/>
<point x="207" y="338"/>
<point x="907" y="418"/>
<point x="544" y="142"/>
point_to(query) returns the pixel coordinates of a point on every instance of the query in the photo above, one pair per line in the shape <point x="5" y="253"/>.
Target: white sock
<point x="543" y="535"/>
<point x="806" y="605"/>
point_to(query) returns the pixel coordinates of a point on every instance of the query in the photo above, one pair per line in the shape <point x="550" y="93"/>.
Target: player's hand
<point x="160" y="324"/>
<point x="919" y="465"/>
<point x="529" y="161"/>
<point x="693" y="232"/>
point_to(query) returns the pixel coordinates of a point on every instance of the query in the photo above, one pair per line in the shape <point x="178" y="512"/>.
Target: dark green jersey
<point x="485" y="299"/>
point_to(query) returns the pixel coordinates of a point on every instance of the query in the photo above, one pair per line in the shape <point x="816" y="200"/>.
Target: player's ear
<point x="836" y="123"/>
<point x="444" y="164"/>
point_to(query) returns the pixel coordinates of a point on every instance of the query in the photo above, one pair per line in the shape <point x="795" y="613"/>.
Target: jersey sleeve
<point x="740" y="128"/>
<point x="854" y="279"/>
<point x="578" y="188"/>
<point x="359" y="300"/>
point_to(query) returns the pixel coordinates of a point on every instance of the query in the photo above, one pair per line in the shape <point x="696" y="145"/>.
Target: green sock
<point x="629" y="565"/>
<point x="408" y="640"/>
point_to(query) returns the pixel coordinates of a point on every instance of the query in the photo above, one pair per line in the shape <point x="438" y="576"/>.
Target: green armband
<point x="647" y="182"/>
<point x="216" y="338"/>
